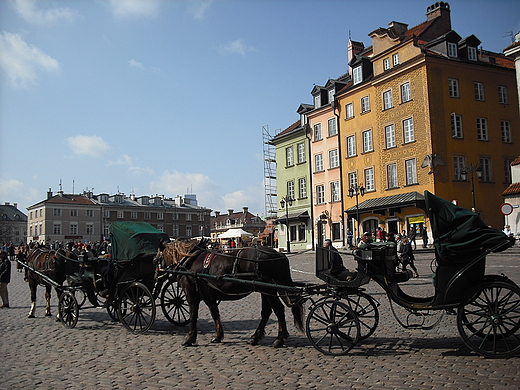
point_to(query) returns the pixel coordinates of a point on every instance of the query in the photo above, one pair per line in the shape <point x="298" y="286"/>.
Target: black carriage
<point x="487" y="306"/>
<point x="126" y="281"/>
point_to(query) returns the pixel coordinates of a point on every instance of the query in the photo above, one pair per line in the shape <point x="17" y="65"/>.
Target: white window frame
<point x="318" y="162"/>
<point x="349" y="110"/>
<point x="391" y="176"/>
<point x="120" y="214"/>
<point x="335" y="193"/>
<point x="386" y="64"/>
<point x="352" y="180"/>
<point x="73" y="229"/>
<point x="333" y="158"/>
<point x="452" y="50"/>
<point x="482" y="129"/>
<point x="357" y="75"/>
<point x="365" y="104"/>
<point x="317" y="132"/>
<point x="472" y="53"/>
<point x="351" y="146"/>
<point x="289" y="158"/>
<point x="320" y="194"/>
<point x="89" y="229"/>
<point x="89" y="213"/>
<point x="56" y="228"/>
<point x="332" y="128"/>
<point x="301" y="152"/>
<point x="368" y="145"/>
<point x="290" y="189"/>
<point x="408" y="130"/>
<point x="456" y="126"/>
<point x="317" y="101"/>
<point x="387" y="100"/>
<point x="479" y="91"/>
<point x="453" y="88"/>
<point x="302" y="187"/>
<point x="395" y="59"/>
<point x="369" y="179"/>
<point x="502" y="95"/>
<point x="73" y="212"/>
<point x="411" y="171"/>
<point x="160" y="215"/>
<point x="390" y="136"/>
<point x="56" y="212"/>
<point x="459" y="166"/>
<point x="133" y="214"/>
<point x="406" y="92"/>
<point x="505" y="129"/>
<point x="485" y="166"/>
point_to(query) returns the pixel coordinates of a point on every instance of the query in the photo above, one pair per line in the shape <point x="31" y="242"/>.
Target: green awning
<point x="135" y="240"/>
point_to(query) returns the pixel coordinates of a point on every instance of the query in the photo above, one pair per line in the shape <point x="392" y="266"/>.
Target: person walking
<point x="5" y="278"/>
<point x="407" y="257"/>
<point x="411" y="236"/>
<point x="424" y="236"/>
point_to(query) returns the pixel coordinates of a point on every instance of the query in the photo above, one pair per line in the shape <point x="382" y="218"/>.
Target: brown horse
<point x="260" y="264"/>
<point x="50" y="263"/>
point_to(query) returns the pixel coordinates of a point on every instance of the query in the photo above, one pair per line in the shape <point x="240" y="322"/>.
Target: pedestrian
<point x="411" y="236"/>
<point x="424" y="236"/>
<point x="507" y="230"/>
<point x="5" y="278"/>
<point x="11" y="252"/>
<point x="21" y="257"/>
<point x="350" y="237"/>
<point x="407" y="257"/>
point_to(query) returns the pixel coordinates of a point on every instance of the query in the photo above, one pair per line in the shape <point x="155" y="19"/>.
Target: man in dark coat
<point x="337" y="268"/>
<point x="5" y="278"/>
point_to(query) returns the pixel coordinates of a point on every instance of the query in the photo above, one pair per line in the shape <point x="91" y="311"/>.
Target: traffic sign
<point x="506" y="209"/>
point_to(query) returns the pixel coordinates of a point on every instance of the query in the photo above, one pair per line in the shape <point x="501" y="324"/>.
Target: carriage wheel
<point x="367" y="313"/>
<point x="332" y="327"/>
<point x="68" y="309"/>
<point x="112" y="311"/>
<point x="136" y="308"/>
<point x="489" y="318"/>
<point x="173" y="303"/>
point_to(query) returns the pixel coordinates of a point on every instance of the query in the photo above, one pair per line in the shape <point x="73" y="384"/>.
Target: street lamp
<point x="285" y="202"/>
<point x="471" y="169"/>
<point x="356" y="190"/>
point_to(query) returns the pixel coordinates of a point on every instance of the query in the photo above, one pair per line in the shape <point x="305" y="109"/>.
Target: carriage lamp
<point x="471" y="169"/>
<point x="356" y="190"/>
<point x="286" y="202"/>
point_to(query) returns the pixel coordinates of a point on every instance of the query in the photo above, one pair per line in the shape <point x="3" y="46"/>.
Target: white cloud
<point x="236" y="200"/>
<point x="139" y="65"/>
<point x="177" y="183"/>
<point x="21" y="62"/>
<point x="238" y="46"/>
<point x="126" y="160"/>
<point x="93" y="146"/>
<point x="14" y="191"/>
<point x="129" y="9"/>
<point x="198" y="8"/>
<point x="27" y="10"/>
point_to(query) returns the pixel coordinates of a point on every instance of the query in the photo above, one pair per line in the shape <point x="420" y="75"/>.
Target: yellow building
<point x="425" y="110"/>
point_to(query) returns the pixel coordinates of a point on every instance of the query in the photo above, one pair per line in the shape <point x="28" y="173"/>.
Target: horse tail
<point x="297" y="312"/>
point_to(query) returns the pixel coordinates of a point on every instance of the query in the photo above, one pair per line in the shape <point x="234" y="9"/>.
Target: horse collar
<point x="208" y="259"/>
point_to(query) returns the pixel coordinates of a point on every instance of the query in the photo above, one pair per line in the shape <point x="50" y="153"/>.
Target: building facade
<point x="13" y="224"/>
<point x="220" y="223"/>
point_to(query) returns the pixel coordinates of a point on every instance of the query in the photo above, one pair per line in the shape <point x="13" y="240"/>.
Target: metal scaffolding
<point x="269" y="173"/>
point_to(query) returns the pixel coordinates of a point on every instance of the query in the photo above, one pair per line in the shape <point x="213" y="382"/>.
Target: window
<point x="390" y="136"/>
<point x="335" y="192"/>
<point x="160" y="215"/>
<point x="502" y="95"/>
<point x="411" y="173"/>
<point x="301" y="152"/>
<point x="73" y="213"/>
<point x="406" y="94"/>
<point x="349" y="111"/>
<point x="106" y="231"/>
<point x="289" y="160"/>
<point x="56" y="228"/>
<point x="331" y="95"/>
<point x="367" y="141"/>
<point x="317" y="101"/>
<point x="318" y="163"/>
<point x="317" y="132"/>
<point x="452" y="50"/>
<point x="89" y="229"/>
<point x="336" y="231"/>
<point x="396" y="60"/>
<point x="302" y="187"/>
<point x="334" y="158"/>
<point x="459" y="163"/>
<point x="320" y="194"/>
<point x="73" y="228"/>
<point x="479" y="91"/>
<point x="106" y="213"/>
<point x="352" y="180"/>
<point x="472" y="53"/>
<point x="188" y="217"/>
<point x="147" y="215"/>
<point x="507" y="171"/>
<point x="160" y="227"/>
<point x="290" y="189"/>
<point x="505" y="127"/>
<point x="391" y="174"/>
<point x="369" y="180"/>
<point x="408" y="129"/>
<point x="386" y="64"/>
<point x="56" y="212"/>
<point x="365" y="104"/>
<point x="357" y="75"/>
<point x="482" y="130"/>
<point x="456" y="125"/>
<point x="301" y="231"/>
<point x="120" y="214"/>
<point x="133" y="215"/>
<point x="453" y="86"/>
<point x="351" y="146"/>
<point x="332" y="127"/>
<point x="188" y="231"/>
<point x="485" y="165"/>
<point x="387" y="100"/>
<point x="41" y="212"/>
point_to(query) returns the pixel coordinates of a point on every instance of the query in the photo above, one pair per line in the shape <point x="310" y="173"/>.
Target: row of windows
<point x="57" y="212"/>
<point x="395" y="61"/>
<point x="332" y="129"/>
<point x="454" y="91"/>
<point x="481" y="127"/>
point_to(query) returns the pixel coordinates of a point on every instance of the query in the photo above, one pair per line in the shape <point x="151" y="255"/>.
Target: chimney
<point x="15" y="205"/>
<point x="398" y="27"/>
<point x="217" y="213"/>
<point x="230" y="211"/>
<point x="7" y="203"/>
<point x="442" y="11"/>
<point x="49" y="194"/>
<point x="354" y="48"/>
<point x="245" y="209"/>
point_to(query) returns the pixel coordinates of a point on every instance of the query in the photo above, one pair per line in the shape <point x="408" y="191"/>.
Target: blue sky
<point x="169" y="97"/>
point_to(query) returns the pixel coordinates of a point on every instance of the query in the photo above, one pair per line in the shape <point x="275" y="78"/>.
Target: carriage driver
<point x="337" y="268"/>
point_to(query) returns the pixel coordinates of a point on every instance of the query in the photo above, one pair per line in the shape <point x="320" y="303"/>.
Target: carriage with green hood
<point x="487" y="306"/>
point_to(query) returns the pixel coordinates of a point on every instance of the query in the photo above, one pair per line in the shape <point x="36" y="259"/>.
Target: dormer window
<point x="357" y="75"/>
<point x="472" y="53"/>
<point x="396" y="59"/>
<point x="452" y="50"/>
<point x="331" y="95"/>
<point x="317" y="101"/>
<point x="386" y="64"/>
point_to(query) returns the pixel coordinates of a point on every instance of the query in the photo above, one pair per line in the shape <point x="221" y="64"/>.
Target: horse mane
<point x="175" y="251"/>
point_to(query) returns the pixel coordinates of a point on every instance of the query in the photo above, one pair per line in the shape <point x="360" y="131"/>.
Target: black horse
<point x="50" y="263"/>
<point x="261" y="264"/>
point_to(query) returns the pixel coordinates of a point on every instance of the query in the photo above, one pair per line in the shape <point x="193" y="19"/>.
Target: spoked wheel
<point x="332" y="327"/>
<point x="173" y="303"/>
<point x="136" y="308"/>
<point x="367" y="313"/>
<point x="489" y="319"/>
<point x="68" y="309"/>
<point x="112" y="311"/>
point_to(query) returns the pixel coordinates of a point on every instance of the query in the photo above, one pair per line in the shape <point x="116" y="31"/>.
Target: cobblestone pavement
<point x="39" y="353"/>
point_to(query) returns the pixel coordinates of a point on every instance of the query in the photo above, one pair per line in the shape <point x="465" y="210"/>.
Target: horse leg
<point x="48" y="301"/>
<point x="32" y="287"/>
<point x="215" y="314"/>
<point x="279" y="310"/>
<point x="260" y="330"/>
<point x="193" y="300"/>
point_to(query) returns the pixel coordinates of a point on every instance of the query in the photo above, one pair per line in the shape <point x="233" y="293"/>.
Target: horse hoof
<point x="30" y="316"/>
<point x="187" y="343"/>
<point x="278" y="343"/>
<point x="48" y="314"/>
<point x="253" y="342"/>
<point x="215" y="340"/>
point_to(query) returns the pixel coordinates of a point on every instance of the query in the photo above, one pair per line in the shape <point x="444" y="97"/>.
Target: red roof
<point x="516" y="161"/>
<point x="70" y="199"/>
<point x="513" y="189"/>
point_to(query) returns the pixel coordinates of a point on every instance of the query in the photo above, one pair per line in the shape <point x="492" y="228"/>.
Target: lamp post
<point x="471" y="169"/>
<point x="356" y="190"/>
<point x="285" y="202"/>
